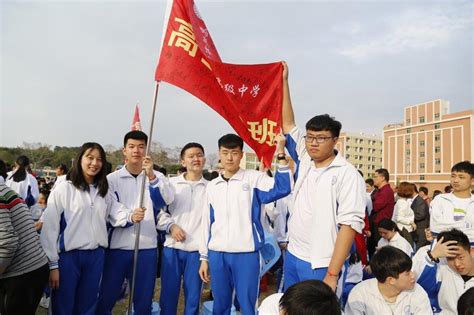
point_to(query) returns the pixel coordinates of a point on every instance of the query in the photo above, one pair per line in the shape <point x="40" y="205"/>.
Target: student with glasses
<point x="329" y="200"/>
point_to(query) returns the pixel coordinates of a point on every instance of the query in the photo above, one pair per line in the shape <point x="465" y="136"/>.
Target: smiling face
<point x="193" y="160"/>
<point x="134" y="151"/>
<point x="91" y="164"/>
<point x="320" y="144"/>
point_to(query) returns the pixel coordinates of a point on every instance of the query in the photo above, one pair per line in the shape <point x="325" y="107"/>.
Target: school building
<point x="361" y="150"/>
<point x="430" y="140"/>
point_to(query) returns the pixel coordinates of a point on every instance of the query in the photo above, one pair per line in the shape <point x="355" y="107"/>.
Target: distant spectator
<point x="22" y="182"/>
<point x="383" y="204"/>
<point x="3" y="172"/>
<point x="391" y="236"/>
<point x="448" y="189"/>
<point x="436" y="193"/>
<point x="422" y="218"/>
<point x="424" y="194"/>
<point x="403" y="215"/>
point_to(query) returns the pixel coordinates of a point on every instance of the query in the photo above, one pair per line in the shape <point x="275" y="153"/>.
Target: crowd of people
<point x="349" y="246"/>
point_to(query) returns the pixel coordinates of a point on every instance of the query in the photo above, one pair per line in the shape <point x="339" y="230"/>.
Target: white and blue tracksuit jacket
<point x="232" y="219"/>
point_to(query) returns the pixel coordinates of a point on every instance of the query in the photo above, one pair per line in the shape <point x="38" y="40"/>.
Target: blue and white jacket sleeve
<point x="269" y="190"/>
<point x="165" y="221"/>
<point x="205" y="229"/>
<point x="50" y="231"/>
<point x="426" y="272"/>
<point x="161" y="191"/>
<point x="295" y="144"/>
<point x="118" y="214"/>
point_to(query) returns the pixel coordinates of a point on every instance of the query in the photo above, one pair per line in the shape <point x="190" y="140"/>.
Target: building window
<point x="437" y="149"/>
<point x="408" y="130"/>
<point x="437" y="171"/>
<point x="408" y="121"/>
<point x="422" y="177"/>
<point x="422" y="165"/>
<point x="436" y="115"/>
<point x="422" y="119"/>
<point x="348" y="139"/>
<point x="422" y="143"/>
<point x="422" y="154"/>
<point x="437" y="126"/>
<point x="437" y="137"/>
<point x="407" y="152"/>
<point x="437" y="161"/>
<point x="408" y="141"/>
<point x="348" y="156"/>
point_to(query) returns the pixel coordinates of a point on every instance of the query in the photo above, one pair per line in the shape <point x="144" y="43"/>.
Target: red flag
<point x="249" y="97"/>
<point x="136" y="125"/>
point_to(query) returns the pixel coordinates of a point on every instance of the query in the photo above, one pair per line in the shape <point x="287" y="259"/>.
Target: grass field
<point x="121" y="307"/>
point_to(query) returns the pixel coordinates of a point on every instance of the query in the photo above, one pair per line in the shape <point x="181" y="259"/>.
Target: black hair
<point x="189" y="146"/>
<point x="415" y="188"/>
<point x="63" y="168"/>
<point x="436" y="193"/>
<point x="135" y="135"/>
<point x="370" y="181"/>
<point x="210" y="176"/>
<point x="20" y="174"/>
<point x="231" y="141"/>
<point x="3" y="169"/>
<point x="310" y="297"/>
<point x="455" y="235"/>
<point x="388" y="225"/>
<point x="465" y="167"/>
<point x="323" y="123"/>
<point x="466" y="303"/>
<point x="389" y="261"/>
<point x="384" y="173"/>
<point x="424" y="190"/>
<point x="361" y="174"/>
<point x="447" y="189"/>
<point x="108" y="167"/>
<point x="76" y="173"/>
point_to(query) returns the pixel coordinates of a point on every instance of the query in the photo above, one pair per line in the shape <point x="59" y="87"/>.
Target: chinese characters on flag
<point x="249" y="97"/>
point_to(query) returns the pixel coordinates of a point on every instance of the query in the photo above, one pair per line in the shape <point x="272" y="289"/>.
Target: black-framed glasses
<point x="319" y="139"/>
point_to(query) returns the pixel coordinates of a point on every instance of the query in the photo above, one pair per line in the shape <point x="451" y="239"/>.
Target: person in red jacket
<point x="383" y="202"/>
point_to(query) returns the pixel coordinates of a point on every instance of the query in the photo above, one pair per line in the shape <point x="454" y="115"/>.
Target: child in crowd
<point x="394" y="289"/>
<point x="390" y="236"/>
<point x="446" y="270"/>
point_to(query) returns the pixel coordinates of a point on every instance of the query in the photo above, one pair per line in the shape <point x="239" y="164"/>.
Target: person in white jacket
<point x="388" y="231"/>
<point x="182" y="223"/>
<point x="125" y="185"/>
<point x="394" y="289"/>
<point x="446" y="270"/>
<point x="74" y="232"/>
<point x="403" y="214"/>
<point x="22" y="182"/>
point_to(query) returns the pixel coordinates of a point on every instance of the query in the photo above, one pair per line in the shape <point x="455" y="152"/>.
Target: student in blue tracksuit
<point x="125" y="185"/>
<point x="182" y="223"/>
<point x="232" y="225"/>
<point x="74" y="232"/>
<point x="329" y="200"/>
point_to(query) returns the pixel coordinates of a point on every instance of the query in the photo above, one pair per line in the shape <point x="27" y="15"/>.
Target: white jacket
<point x="397" y="241"/>
<point x="443" y="284"/>
<point x="186" y="211"/>
<point x="21" y="188"/>
<point x="232" y="220"/>
<point x="340" y="192"/>
<point x="126" y="188"/>
<point x="442" y="216"/>
<point x="403" y="215"/>
<point x="366" y="299"/>
<point x="76" y="219"/>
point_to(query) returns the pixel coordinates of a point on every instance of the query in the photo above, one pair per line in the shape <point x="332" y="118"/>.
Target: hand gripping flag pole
<point x="142" y="193"/>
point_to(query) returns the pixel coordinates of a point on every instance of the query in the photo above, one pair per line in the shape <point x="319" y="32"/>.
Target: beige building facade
<point x="361" y="150"/>
<point x="427" y="144"/>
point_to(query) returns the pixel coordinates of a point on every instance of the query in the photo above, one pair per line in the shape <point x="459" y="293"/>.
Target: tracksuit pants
<point x="79" y="280"/>
<point x="239" y="271"/>
<point x="178" y="264"/>
<point x="118" y="267"/>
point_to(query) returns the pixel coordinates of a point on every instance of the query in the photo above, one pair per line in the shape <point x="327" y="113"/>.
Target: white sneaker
<point x="44" y="303"/>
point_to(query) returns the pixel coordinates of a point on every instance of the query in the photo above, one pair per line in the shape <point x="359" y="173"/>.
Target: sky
<point x="72" y="71"/>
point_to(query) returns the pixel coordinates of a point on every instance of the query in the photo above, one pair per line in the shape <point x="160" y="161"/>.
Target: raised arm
<point x="287" y="117"/>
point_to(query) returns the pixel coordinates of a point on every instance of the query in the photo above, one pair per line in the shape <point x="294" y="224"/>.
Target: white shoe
<point x="44" y="303"/>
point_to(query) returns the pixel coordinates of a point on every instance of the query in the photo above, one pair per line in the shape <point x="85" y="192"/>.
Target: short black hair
<point x="189" y="146"/>
<point x="424" y="190"/>
<point x="310" y="297"/>
<point x="388" y="225"/>
<point x="455" y="235"/>
<point x="464" y="167"/>
<point x="389" y="261"/>
<point x="135" y="135"/>
<point x="370" y="181"/>
<point x="466" y="303"/>
<point x="76" y="174"/>
<point x="324" y="122"/>
<point x="231" y="141"/>
<point x="384" y="173"/>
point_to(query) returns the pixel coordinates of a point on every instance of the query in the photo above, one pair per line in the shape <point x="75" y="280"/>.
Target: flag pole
<point x="142" y="193"/>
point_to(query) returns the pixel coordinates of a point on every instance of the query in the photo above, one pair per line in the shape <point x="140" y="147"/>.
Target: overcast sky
<point x="72" y="71"/>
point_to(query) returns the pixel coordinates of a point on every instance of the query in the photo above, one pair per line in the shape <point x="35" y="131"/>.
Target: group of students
<point x="215" y="229"/>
